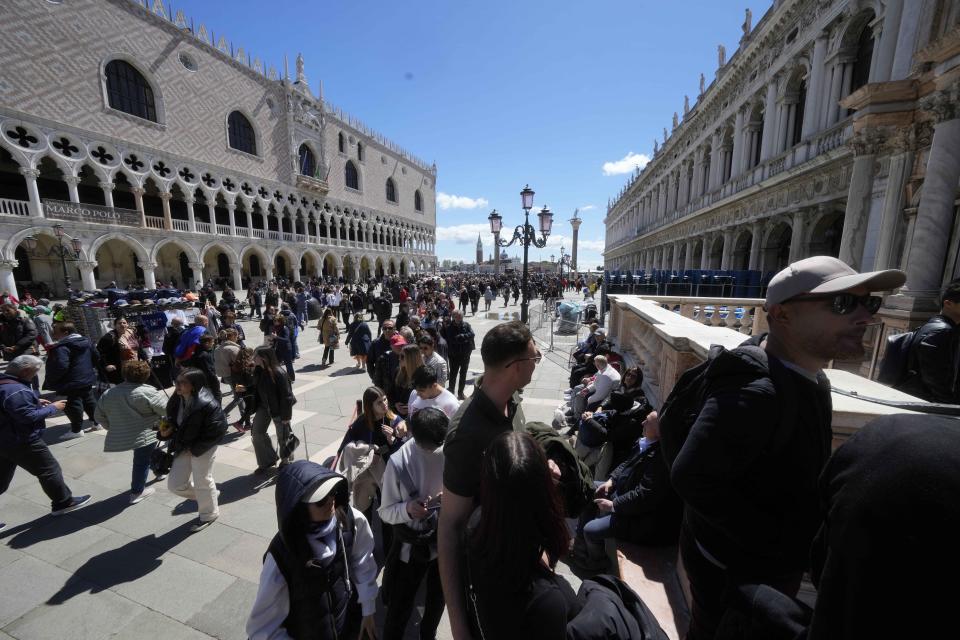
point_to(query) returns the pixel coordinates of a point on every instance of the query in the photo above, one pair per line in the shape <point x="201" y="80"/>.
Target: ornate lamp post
<point x="526" y="235"/>
<point x="71" y="252"/>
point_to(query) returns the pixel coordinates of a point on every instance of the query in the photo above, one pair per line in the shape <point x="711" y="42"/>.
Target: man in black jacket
<point x="460" y="345"/>
<point x="934" y="358"/>
<point x="636" y="504"/>
<point x="72" y="365"/>
<point x="379" y="347"/>
<point x="748" y="470"/>
<point x="18" y="334"/>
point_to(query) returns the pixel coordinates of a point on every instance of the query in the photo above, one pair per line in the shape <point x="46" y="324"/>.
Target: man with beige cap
<point x="748" y="470"/>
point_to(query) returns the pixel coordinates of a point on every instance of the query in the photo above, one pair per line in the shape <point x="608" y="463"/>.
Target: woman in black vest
<point x="319" y="576"/>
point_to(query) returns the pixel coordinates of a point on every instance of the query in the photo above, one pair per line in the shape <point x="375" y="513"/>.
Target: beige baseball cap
<point x="826" y="274"/>
<point x="323" y="489"/>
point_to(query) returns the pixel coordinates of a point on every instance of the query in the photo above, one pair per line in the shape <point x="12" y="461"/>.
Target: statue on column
<point x="686" y="105"/>
<point x="721" y="55"/>
<point x="703" y="84"/>
<point x="301" y="78"/>
<point x="747" y="23"/>
<point x="664" y="135"/>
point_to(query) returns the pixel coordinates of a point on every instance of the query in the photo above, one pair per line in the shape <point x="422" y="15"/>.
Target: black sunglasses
<point x="845" y="303"/>
<point x="536" y="359"/>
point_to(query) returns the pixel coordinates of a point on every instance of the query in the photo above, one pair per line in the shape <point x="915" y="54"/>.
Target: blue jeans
<point x="141" y="466"/>
<point x="595" y="533"/>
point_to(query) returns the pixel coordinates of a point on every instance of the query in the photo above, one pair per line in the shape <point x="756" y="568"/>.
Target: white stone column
<point x="901" y="164"/>
<point x="72" y="182"/>
<point x="934" y="221"/>
<point x="688" y="262"/>
<point x="197" y="268"/>
<point x="212" y="213"/>
<point x="906" y="39"/>
<point x="857" y="215"/>
<point x="661" y="200"/>
<point x="86" y="274"/>
<point x="7" y="281"/>
<point x="882" y="64"/>
<point x="707" y="239"/>
<point x="167" y="219"/>
<point x="675" y="266"/>
<point x="107" y="188"/>
<point x="191" y="217"/>
<point x="756" y="233"/>
<point x="237" y="270"/>
<point x="149" y="275"/>
<point x="268" y="270"/>
<point x="138" y="203"/>
<point x="231" y="212"/>
<point x="831" y="111"/>
<point x="31" y="175"/>
<point x="811" y="110"/>
<point x="770" y="122"/>
<point x="796" y="237"/>
<point x="716" y="172"/>
<point x="248" y="211"/>
<point x="787" y="135"/>
<point x="727" y="249"/>
<point x="739" y="143"/>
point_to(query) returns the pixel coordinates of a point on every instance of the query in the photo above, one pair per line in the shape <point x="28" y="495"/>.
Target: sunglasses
<point x="536" y="359"/>
<point x="845" y="303"/>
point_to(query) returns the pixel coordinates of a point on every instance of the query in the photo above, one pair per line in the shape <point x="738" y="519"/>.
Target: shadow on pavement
<point x="117" y="566"/>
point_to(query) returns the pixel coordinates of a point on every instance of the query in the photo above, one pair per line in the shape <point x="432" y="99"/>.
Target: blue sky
<point x="501" y="94"/>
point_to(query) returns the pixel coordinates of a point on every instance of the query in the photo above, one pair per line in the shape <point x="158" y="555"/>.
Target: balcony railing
<point x="10" y="207"/>
<point x="223" y="229"/>
<point x="180" y="225"/>
<point x="154" y="222"/>
<point x="258" y="233"/>
<point x="243" y="232"/>
<point x="204" y="227"/>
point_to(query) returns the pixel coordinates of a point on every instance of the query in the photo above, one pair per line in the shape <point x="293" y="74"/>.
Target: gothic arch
<point x="122" y="237"/>
<point x="226" y="248"/>
<point x="187" y="249"/>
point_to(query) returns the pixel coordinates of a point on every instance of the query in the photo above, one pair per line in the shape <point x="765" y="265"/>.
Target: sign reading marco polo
<point x="60" y="210"/>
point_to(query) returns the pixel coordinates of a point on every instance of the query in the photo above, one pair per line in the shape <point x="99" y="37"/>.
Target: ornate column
<point x="906" y="40"/>
<point x="212" y="213"/>
<point x="107" y="188"/>
<point x="248" y="210"/>
<point x="927" y="249"/>
<point x="231" y="211"/>
<point x="165" y="200"/>
<point x="575" y="225"/>
<point x="676" y="256"/>
<point x="237" y="270"/>
<point x="831" y="109"/>
<point x="31" y="175"/>
<point x="7" y="282"/>
<point x="811" y="110"/>
<point x="72" y="182"/>
<point x="864" y="144"/>
<point x="149" y="275"/>
<point x="688" y="262"/>
<point x="715" y="171"/>
<point x="268" y="270"/>
<point x="882" y="63"/>
<point x="705" y="251"/>
<point x="738" y="146"/>
<point x="770" y="122"/>
<point x="86" y="268"/>
<point x="138" y="202"/>
<point x="901" y="165"/>
<point x="796" y="236"/>
<point x="191" y="216"/>
<point x="756" y="231"/>
<point x="197" y="268"/>
<point x="727" y="249"/>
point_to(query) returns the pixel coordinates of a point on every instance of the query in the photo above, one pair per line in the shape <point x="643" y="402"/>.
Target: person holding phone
<point x="412" y="495"/>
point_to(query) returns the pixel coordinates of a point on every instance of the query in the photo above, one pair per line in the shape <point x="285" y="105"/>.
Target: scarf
<point x="323" y="540"/>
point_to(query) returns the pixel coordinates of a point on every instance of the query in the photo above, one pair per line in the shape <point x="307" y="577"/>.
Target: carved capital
<point x="71" y="180"/>
<point x="943" y="105"/>
<point x="27" y="172"/>
<point x="148" y="266"/>
<point x="866" y="142"/>
<point x="198" y="266"/>
<point x="87" y="265"/>
<point x="8" y="265"/>
<point x="166" y="195"/>
<point x="106" y="186"/>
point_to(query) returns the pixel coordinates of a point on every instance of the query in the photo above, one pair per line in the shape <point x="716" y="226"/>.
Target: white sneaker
<point x="93" y="428"/>
<point x="143" y="495"/>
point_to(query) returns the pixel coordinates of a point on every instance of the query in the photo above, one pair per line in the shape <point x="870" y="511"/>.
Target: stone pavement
<point x="123" y="571"/>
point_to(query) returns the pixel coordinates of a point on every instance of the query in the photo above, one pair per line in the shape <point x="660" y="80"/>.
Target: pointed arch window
<point x="341" y="143"/>
<point x="391" y="190"/>
<point x="417" y="200"/>
<point x="360" y="151"/>
<point x="242" y="137"/>
<point x="308" y="162"/>
<point x="351" y="177"/>
<point x="129" y="91"/>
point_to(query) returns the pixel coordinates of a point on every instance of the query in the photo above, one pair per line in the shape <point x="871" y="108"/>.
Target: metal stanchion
<point x="552" y="320"/>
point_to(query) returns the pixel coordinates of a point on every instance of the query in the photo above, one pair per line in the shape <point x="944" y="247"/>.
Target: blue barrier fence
<point x="703" y="283"/>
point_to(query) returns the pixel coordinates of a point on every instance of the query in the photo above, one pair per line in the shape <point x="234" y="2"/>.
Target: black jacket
<point x="611" y="609"/>
<point x="748" y="470"/>
<point x="203" y="360"/>
<point x="935" y="357"/>
<point x="377" y="348"/>
<point x="71" y="365"/>
<point x="459" y="338"/>
<point x="20" y="332"/>
<point x="171" y="340"/>
<point x="201" y="428"/>
<point x="646" y="508"/>
<point x="275" y="392"/>
<point x="108" y="348"/>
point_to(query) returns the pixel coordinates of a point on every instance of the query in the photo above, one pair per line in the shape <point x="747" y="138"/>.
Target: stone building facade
<point x="833" y="129"/>
<point x="171" y="154"/>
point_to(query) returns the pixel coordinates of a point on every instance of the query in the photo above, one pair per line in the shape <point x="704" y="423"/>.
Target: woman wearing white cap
<point x="319" y="577"/>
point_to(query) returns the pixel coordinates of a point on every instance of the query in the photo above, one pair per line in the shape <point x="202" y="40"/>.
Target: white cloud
<point x="465" y="234"/>
<point x="591" y="245"/>
<point x="626" y="164"/>
<point x="588" y="207"/>
<point x="447" y="201"/>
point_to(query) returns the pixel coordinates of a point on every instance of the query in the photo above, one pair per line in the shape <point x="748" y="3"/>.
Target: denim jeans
<point x="36" y="459"/>
<point x="78" y="402"/>
<point x="141" y="467"/>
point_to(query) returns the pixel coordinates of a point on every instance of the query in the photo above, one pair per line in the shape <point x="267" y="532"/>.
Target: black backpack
<point x="682" y="407"/>
<point x="899" y="363"/>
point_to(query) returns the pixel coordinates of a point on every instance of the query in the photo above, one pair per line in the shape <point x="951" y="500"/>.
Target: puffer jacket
<point x="71" y="365"/>
<point x="21" y="416"/>
<point x="129" y="412"/>
<point x="21" y="333"/>
<point x="202" y="426"/>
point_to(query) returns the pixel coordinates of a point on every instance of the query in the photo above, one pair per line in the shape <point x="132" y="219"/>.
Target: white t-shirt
<point x="446" y="402"/>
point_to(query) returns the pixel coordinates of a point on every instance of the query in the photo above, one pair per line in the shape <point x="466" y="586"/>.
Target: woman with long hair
<point x="273" y="398"/>
<point x="359" y="338"/>
<point x="329" y="335"/>
<point x="411" y="359"/>
<point x="241" y="377"/>
<point x="116" y="347"/>
<point x="198" y="424"/>
<point x="513" y="551"/>
<point x="283" y="344"/>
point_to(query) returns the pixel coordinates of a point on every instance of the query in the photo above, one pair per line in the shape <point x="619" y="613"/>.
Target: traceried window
<point x="308" y="163"/>
<point x="129" y="91"/>
<point x="391" y="190"/>
<point x="241" y="133"/>
<point x="352" y="178"/>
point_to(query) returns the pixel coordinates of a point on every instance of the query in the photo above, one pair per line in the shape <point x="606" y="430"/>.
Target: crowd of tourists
<point x="463" y="493"/>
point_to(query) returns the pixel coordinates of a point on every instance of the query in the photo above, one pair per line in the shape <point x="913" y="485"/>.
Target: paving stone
<point x="226" y="616"/>
<point x="111" y="475"/>
<point x="151" y="625"/>
<point x="28" y="583"/>
<point x="251" y="516"/>
<point x="243" y="558"/>
<point x="82" y="617"/>
<point x="8" y="555"/>
<point x="47" y="540"/>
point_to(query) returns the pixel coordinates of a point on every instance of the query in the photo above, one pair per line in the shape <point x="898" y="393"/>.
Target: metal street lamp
<point x="526" y="235"/>
<point x="71" y="253"/>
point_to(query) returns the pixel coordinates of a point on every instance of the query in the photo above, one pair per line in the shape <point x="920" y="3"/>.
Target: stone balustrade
<point x="743" y="315"/>
<point x="665" y="343"/>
